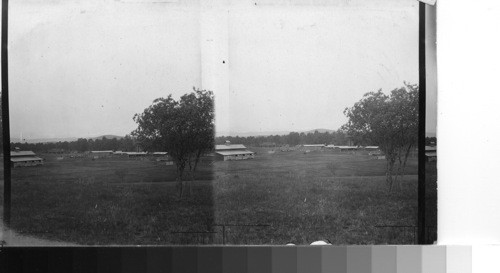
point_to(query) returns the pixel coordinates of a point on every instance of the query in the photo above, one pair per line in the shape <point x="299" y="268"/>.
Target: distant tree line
<point x="126" y="144"/>
<point x="294" y="138"/>
<point x="130" y="143"/>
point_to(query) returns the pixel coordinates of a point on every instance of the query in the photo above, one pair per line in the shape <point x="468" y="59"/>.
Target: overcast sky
<point x="84" y="68"/>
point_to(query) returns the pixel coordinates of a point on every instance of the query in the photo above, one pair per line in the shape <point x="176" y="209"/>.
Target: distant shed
<point x="24" y="159"/>
<point x="430" y="153"/>
<point x="102" y="152"/>
<point x="21" y="153"/>
<point x="136" y="154"/>
<point x="430" y="148"/>
<point x="348" y="148"/>
<point x="313" y="147"/>
<point x="230" y="151"/>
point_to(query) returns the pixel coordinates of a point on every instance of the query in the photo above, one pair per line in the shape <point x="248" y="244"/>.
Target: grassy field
<point x="297" y="197"/>
<point x="431" y="200"/>
<point x="303" y="200"/>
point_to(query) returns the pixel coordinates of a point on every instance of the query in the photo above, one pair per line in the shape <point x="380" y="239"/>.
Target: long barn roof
<point x="235" y="153"/>
<point x="371" y="147"/>
<point x="25" y="158"/>
<point x="430" y="148"/>
<point x="230" y="147"/>
<point x="21" y="153"/>
<point x="348" y="147"/>
<point x="314" y="145"/>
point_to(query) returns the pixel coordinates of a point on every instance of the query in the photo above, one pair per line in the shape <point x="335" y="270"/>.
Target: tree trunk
<point x="406" y="159"/>
<point x="389" y="172"/>
<point x="398" y="172"/>
<point x="180" y="173"/>
<point x="193" y="171"/>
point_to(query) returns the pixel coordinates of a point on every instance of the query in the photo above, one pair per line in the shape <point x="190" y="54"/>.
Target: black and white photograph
<point x="195" y="122"/>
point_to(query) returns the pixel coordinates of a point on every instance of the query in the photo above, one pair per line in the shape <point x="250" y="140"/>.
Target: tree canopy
<point x="184" y="128"/>
<point x="389" y="121"/>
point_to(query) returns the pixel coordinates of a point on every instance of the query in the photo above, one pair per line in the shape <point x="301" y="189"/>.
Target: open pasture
<point x="305" y="197"/>
<point x="298" y="197"/>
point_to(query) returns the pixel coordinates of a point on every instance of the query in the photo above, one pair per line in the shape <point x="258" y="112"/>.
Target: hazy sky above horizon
<point x="84" y="68"/>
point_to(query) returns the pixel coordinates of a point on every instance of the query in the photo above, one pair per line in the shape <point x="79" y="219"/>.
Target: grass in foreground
<point x="296" y="194"/>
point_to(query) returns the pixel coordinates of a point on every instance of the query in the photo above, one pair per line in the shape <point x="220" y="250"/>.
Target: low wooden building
<point x="24" y="159"/>
<point x="136" y="154"/>
<point x="230" y="151"/>
<point x="312" y="147"/>
<point x="430" y="153"/>
<point x="348" y="148"/>
<point x="102" y="153"/>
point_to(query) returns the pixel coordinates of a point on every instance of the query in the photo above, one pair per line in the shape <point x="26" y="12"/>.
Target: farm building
<point x="371" y="148"/>
<point x="135" y="154"/>
<point x="230" y="151"/>
<point x="313" y="147"/>
<point x="333" y="147"/>
<point x="24" y="158"/>
<point x="101" y="152"/>
<point x="348" y="148"/>
<point x="430" y="153"/>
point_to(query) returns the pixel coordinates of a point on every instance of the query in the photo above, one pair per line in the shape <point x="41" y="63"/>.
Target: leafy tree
<point x="389" y="121"/>
<point x="293" y="138"/>
<point x="82" y="145"/>
<point x="184" y="129"/>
